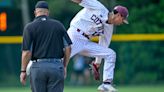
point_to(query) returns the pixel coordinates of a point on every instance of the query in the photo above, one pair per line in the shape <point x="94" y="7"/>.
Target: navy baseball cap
<point x="123" y="11"/>
<point x="41" y="4"/>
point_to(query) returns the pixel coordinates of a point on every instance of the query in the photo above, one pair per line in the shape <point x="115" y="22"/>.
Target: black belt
<point x="84" y="34"/>
<point x="46" y="59"/>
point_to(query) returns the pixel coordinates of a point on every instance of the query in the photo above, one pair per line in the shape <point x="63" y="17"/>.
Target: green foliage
<point x="145" y="17"/>
<point x="139" y="62"/>
<point x="144" y="77"/>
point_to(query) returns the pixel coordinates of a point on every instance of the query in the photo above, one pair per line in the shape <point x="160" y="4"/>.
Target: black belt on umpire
<point x="84" y="34"/>
<point x="46" y="59"/>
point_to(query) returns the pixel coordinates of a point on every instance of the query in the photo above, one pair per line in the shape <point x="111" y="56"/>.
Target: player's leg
<point x="96" y="50"/>
<point x="77" y="40"/>
<point x="77" y="46"/>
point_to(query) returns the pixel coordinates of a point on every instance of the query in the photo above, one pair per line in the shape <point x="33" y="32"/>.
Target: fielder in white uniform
<point x="95" y="20"/>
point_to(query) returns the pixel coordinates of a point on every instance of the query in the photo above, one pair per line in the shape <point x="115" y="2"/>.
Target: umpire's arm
<point x="26" y="56"/>
<point x="67" y="53"/>
<point x="26" y="53"/>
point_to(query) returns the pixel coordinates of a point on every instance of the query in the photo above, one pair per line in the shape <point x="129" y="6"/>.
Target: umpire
<point x="47" y="45"/>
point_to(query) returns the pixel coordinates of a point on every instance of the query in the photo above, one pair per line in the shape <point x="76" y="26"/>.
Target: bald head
<point x="41" y="11"/>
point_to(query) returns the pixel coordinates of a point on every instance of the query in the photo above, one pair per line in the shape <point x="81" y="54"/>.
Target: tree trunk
<point x="25" y="12"/>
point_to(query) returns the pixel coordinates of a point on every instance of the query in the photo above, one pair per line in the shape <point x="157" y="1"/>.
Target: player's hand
<point x="65" y="72"/>
<point x="23" y="78"/>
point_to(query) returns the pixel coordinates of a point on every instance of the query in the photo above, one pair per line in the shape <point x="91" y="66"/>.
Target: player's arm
<point x="91" y="4"/>
<point x="102" y="43"/>
<point x="104" y="40"/>
<point x="76" y="1"/>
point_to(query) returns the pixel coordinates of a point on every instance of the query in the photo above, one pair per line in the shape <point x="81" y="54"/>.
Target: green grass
<point x="156" y="88"/>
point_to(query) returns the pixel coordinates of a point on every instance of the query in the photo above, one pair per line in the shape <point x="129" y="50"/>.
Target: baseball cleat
<point x="106" y="88"/>
<point x="95" y="71"/>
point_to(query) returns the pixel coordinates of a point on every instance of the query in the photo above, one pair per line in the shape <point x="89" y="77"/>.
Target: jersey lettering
<point x="100" y="30"/>
<point x="96" y="19"/>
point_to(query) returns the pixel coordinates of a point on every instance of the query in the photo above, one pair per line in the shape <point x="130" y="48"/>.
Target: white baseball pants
<point x="88" y="48"/>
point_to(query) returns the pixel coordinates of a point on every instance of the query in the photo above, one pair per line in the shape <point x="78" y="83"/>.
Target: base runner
<point x="95" y="20"/>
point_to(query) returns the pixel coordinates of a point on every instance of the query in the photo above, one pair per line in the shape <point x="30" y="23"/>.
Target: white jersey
<point x="92" y="19"/>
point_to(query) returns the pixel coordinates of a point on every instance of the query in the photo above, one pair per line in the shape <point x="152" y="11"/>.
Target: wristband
<point x="24" y="71"/>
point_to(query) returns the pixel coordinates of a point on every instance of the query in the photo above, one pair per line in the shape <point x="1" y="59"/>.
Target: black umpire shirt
<point x="46" y="38"/>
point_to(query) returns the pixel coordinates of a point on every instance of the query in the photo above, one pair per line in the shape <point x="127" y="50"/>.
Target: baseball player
<point x="95" y="20"/>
